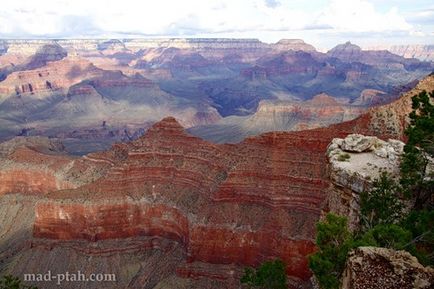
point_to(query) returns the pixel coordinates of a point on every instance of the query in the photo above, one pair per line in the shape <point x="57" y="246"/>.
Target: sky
<point x="323" y="23"/>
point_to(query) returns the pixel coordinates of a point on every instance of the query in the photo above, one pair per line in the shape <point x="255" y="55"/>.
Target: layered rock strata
<point x="201" y="195"/>
<point x="196" y="210"/>
<point x="39" y="165"/>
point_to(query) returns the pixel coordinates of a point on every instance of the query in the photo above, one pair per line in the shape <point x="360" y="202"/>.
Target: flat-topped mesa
<point x="293" y="44"/>
<point x="56" y="75"/>
<point x="345" y="50"/>
<point x="112" y="44"/>
<point x="28" y="47"/>
<point x="197" y="43"/>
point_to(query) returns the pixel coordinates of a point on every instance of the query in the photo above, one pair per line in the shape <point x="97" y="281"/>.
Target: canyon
<point x="176" y="163"/>
<point x="93" y="93"/>
<point x="171" y="209"/>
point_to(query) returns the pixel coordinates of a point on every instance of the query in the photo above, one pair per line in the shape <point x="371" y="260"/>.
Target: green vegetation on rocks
<point x="11" y="282"/>
<point x="334" y="241"/>
<point x="269" y="275"/>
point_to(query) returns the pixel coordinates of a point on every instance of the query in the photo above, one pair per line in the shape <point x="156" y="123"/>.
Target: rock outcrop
<point x="37" y="166"/>
<point x="391" y="119"/>
<point x="54" y="76"/>
<point x="354" y="163"/>
<point x="381" y="268"/>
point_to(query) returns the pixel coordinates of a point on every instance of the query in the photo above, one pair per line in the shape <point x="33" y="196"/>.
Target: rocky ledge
<point x="354" y="163"/>
<point x="371" y="267"/>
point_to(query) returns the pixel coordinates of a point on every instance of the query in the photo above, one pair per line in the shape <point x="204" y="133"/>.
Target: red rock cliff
<point x="226" y="204"/>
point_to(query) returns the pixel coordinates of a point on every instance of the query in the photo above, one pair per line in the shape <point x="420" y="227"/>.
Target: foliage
<point x="419" y="147"/>
<point x="270" y="275"/>
<point x="344" y="157"/>
<point x="421" y="225"/>
<point x="386" y="235"/>
<point x="382" y="204"/>
<point x="334" y="241"/>
<point x="11" y="282"/>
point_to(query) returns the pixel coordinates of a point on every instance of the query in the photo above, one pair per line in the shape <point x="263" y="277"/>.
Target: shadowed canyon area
<point x="92" y="93"/>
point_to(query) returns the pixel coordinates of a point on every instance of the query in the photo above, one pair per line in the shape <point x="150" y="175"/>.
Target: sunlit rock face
<point x="220" y="207"/>
<point x="176" y="186"/>
<point x="354" y="163"/>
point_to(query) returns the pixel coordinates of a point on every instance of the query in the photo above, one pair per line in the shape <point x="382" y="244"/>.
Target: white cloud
<point x="81" y="18"/>
<point x="361" y="16"/>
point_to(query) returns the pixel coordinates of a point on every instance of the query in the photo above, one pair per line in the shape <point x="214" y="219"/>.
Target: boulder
<point x="372" y="267"/>
<point x="358" y="143"/>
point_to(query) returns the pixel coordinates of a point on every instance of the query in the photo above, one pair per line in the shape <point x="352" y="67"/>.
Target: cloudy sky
<point x="322" y="23"/>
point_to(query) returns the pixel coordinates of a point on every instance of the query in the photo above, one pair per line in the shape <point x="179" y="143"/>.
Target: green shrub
<point x="382" y="204"/>
<point x="388" y="236"/>
<point x="419" y="147"/>
<point x="334" y="242"/>
<point x="11" y="282"/>
<point x="421" y="225"/>
<point x="344" y="157"/>
<point x="270" y="275"/>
